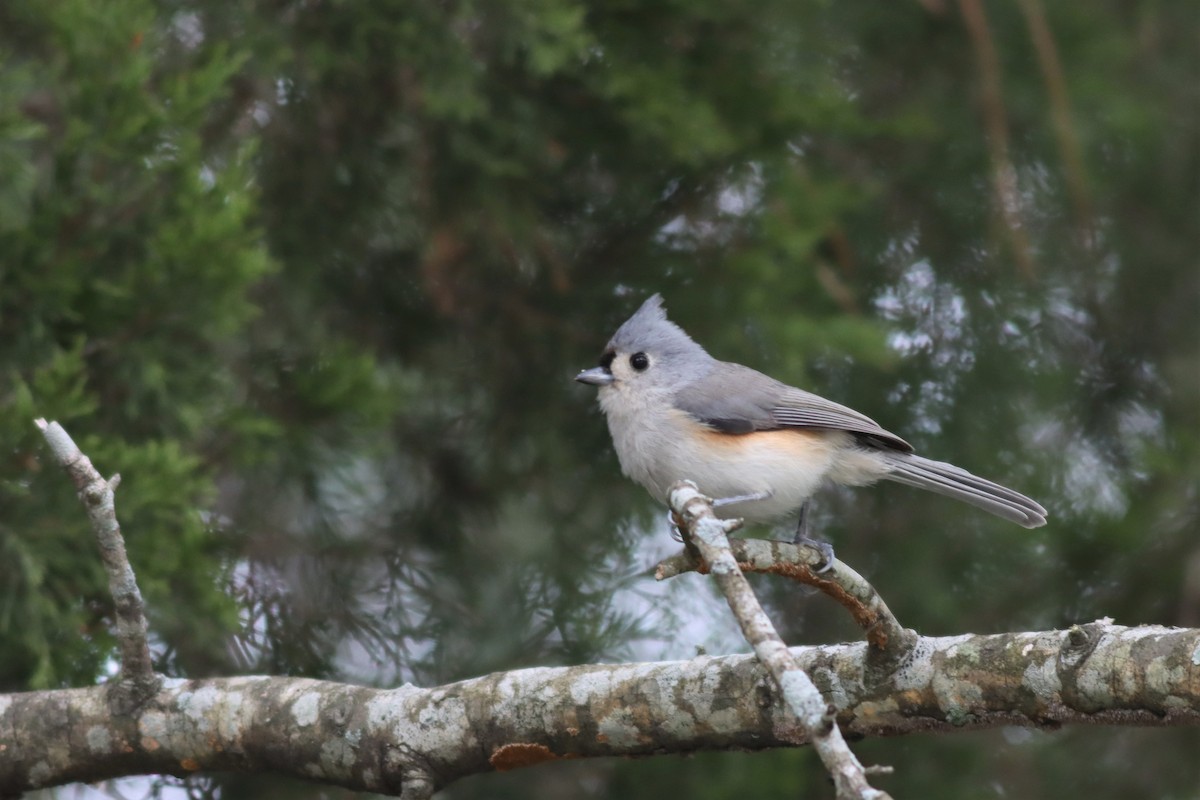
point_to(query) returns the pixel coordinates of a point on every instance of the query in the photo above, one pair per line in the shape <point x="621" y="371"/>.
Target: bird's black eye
<point x="639" y="361"/>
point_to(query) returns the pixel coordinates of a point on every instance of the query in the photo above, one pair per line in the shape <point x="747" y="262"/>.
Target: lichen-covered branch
<point x="97" y="496"/>
<point x="414" y="741"/>
<point x="703" y="530"/>
<point x="411" y="742"/>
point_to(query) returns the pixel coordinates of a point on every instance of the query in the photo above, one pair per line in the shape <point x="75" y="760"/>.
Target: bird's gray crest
<point x="650" y="330"/>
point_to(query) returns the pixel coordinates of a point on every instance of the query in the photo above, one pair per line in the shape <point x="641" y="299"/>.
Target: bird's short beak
<point x="596" y="376"/>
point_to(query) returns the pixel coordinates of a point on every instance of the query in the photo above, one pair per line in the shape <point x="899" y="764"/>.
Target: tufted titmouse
<point x="761" y="447"/>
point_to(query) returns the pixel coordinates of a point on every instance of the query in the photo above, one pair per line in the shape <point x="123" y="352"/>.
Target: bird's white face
<point x="633" y="382"/>
<point x="631" y="369"/>
<point x="624" y="373"/>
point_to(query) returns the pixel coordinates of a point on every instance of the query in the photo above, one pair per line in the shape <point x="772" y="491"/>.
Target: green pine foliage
<point x="315" y="279"/>
<point x="128" y="253"/>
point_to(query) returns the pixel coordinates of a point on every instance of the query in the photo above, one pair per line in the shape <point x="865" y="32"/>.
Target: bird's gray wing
<point x="737" y="399"/>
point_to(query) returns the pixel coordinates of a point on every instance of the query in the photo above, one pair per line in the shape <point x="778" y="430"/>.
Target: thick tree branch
<point x="703" y="530"/>
<point x="411" y="742"/>
<point x="415" y="741"/>
<point x="97" y="496"/>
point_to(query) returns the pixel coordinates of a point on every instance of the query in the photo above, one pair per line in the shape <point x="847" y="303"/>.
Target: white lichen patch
<point x="591" y="685"/>
<point x="664" y="683"/>
<point x="709" y="684"/>
<point x="649" y="684"/>
<point x="957" y="695"/>
<point x="962" y="646"/>
<point x="1176" y="703"/>
<point x="1097" y="680"/>
<point x="836" y="693"/>
<point x="445" y="724"/>
<point x="234" y="716"/>
<point x="678" y="725"/>
<point x="852" y="651"/>
<point x="291" y="688"/>
<point x="383" y="713"/>
<point x="709" y="693"/>
<point x="1155" y="632"/>
<point x="213" y="717"/>
<point x="197" y="706"/>
<point x="5" y="702"/>
<point x="507" y="687"/>
<point x="916" y="674"/>
<point x="1042" y="679"/>
<point x="386" y="710"/>
<point x="1162" y="678"/>
<point x="99" y="740"/>
<point x="307" y="709"/>
<point x="153" y="725"/>
<point x="338" y="757"/>
<point x="618" y="729"/>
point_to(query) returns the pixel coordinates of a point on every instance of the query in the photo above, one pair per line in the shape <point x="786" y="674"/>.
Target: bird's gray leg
<point x="802" y="525"/>
<point x="802" y="537"/>
<point x="740" y="498"/>
<point x="720" y="501"/>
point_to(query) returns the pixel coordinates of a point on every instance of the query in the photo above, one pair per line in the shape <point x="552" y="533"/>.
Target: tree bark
<point x="415" y="741"/>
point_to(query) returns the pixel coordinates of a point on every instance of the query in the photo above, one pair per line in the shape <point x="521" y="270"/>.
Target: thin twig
<point x="97" y="496"/>
<point x="707" y="534"/>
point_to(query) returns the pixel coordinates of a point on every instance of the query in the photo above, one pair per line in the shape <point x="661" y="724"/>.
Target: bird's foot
<point x="822" y="547"/>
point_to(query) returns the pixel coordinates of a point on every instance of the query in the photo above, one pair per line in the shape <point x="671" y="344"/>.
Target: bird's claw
<point x="824" y="548"/>
<point x="676" y="534"/>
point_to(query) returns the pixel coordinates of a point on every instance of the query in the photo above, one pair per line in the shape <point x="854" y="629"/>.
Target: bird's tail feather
<point x="952" y="481"/>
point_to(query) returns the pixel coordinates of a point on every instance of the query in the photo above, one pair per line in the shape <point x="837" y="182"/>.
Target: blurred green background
<point x="315" y="278"/>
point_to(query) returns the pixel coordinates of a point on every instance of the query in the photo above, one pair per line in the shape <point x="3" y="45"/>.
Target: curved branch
<point x="885" y="635"/>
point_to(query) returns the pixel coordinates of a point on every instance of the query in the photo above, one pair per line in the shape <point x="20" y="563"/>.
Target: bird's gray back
<point x="737" y="399"/>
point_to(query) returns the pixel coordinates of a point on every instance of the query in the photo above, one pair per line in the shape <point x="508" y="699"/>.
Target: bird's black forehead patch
<point x="607" y="359"/>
